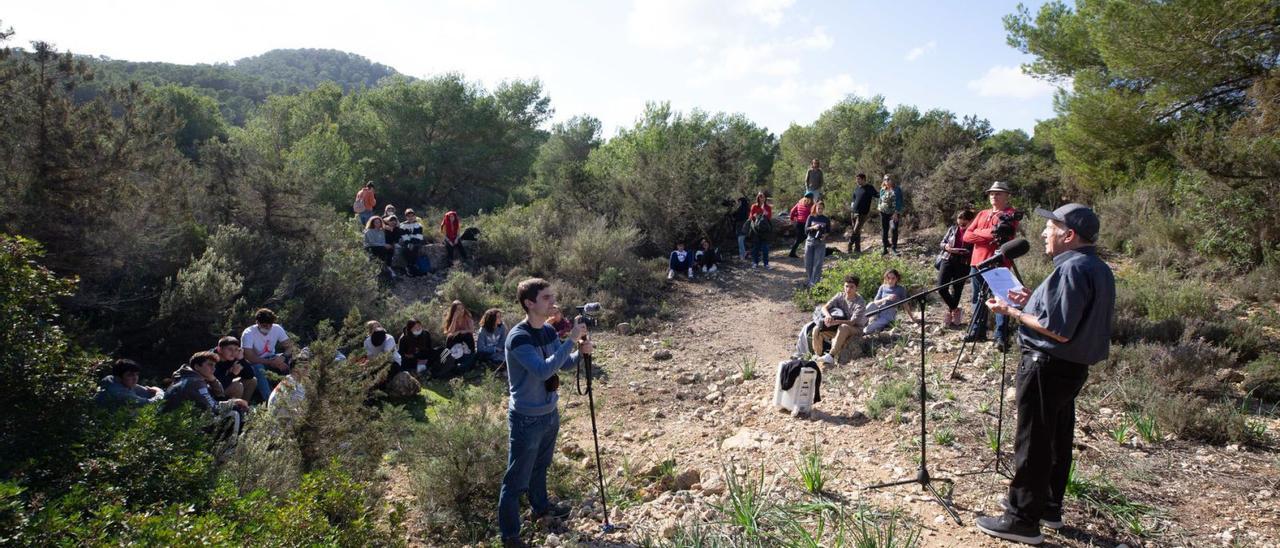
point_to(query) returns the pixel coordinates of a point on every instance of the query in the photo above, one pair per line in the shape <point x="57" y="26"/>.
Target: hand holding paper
<point x="1004" y="285"/>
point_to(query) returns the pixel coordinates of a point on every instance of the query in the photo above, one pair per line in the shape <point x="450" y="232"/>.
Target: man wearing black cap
<point x="1065" y="326"/>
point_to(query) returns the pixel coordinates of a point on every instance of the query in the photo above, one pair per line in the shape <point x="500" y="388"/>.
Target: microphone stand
<point x="922" y="473"/>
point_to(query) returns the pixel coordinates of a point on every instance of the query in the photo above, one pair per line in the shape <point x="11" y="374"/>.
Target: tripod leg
<point x="946" y="505"/>
<point x="973" y="322"/>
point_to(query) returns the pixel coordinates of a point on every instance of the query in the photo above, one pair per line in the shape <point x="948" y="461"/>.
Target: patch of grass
<point x="813" y="477"/>
<point x="748" y="368"/>
<point x="874" y="529"/>
<point x="746" y="502"/>
<point x="1105" y="499"/>
<point x="1147" y="427"/>
<point x="870" y="268"/>
<point x="1120" y="432"/>
<point x="897" y="395"/>
<point x="944" y="436"/>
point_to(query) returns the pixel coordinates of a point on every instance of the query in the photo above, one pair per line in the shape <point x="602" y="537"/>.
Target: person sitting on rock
<point x="121" y="387"/>
<point x="707" y="256"/>
<point x="192" y="383"/>
<point x="416" y="351"/>
<point x="378" y="343"/>
<point x="888" y="293"/>
<point x="681" y="261"/>
<point x="843" y="318"/>
<point x="232" y="372"/>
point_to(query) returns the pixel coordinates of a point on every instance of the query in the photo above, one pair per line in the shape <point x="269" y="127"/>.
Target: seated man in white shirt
<point x="843" y="318"/>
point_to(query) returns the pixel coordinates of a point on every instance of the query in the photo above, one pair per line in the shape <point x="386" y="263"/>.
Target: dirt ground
<point x="696" y="409"/>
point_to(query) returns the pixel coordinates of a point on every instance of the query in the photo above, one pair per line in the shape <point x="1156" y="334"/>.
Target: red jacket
<point x="756" y="210"/>
<point x="799" y="213"/>
<point x="980" y="235"/>
<point x="449" y="225"/>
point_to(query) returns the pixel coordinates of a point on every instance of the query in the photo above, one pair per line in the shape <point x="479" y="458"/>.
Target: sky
<point x="778" y="62"/>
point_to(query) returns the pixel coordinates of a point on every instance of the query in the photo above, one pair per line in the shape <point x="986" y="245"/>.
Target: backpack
<point x="358" y="204"/>
<point x="761" y="227"/>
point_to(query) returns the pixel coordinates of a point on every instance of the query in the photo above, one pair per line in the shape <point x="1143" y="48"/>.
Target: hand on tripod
<point x="582" y="335"/>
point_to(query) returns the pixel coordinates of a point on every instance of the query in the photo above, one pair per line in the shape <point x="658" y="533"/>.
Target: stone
<point x="687" y="479"/>
<point x="712" y="484"/>
<point x="661" y="354"/>
<point x="714" y="397"/>
<point x="669" y="528"/>
<point x="688" y="377"/>
<point x="745" y="439"/>
<point x="403" y="385"/>
<point x="623" y="328"/>
<point x="552" y="540"/>
<point x="1229" y="376"/>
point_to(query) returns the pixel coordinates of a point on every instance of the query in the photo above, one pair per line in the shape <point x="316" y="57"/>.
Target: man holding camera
<point x="534" y="356"/>
<point x="1064" y="326"/>
<point x="988" y="231"/>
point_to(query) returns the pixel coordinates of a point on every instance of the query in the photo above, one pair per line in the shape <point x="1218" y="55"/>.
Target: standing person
<point x="859" y="210"/>
<point x="534" y="356"/>
<point x="416" y="351"/>
<point x="1064" y="327"/>
<point x="450" y="229"/>
<point x="364" y="203"/>
<point x="953" y="264"/>
<point x="707" y="256"/>
<point x="264" y="345"/>
<point x="411" y="241"/>
<point x="459" y="335"/>
<point x="813" y="179"/>
<point x="798" y="215"/>
<point x="888" y="293"/>
<point x="680" y="261"/>
<point x="843" y="317"/>
<point x="890" y="210"/>
<point x="982" y="234"/>
<point x="760" y="230"/>
<point x="815" y="244"/>
<point x="491" y="341"/>
<point x="740" y="217"/>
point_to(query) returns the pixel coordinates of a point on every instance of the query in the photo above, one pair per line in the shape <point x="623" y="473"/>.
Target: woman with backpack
<point x="952" y="264"/>
<point x="760" y="230"/>
<point x="798" y="215"/>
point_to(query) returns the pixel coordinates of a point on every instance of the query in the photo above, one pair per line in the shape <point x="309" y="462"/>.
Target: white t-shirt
<point x="252" y="338"/>
<point x="388" y="345"/>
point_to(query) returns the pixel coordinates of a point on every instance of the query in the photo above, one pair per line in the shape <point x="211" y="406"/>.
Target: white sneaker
<point x="704" y="270"/>
<point x="713" y="268"/>
<point x="827" y="359"/>
<point x="767" y="267"/>
<point x="671" y="274"/>
<point x="755" y="265"/>
<point x="690" y="273"/>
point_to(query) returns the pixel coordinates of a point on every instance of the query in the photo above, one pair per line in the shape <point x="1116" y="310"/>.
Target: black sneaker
<point x="975" y="337"/>
<point x="513" y="543"/>
<point x="1052" y="518"/>
<point x="1007" y="528"/>
<point x="555" y="511"/>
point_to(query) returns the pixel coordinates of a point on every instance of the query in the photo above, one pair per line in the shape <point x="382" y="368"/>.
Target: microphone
<point x="1011" y="250"/>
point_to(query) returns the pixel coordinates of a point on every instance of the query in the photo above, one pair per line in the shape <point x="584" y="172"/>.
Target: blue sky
<point x="776" y="61"/>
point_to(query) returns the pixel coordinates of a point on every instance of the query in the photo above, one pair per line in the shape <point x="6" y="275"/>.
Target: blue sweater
<point x="532" y="358"/>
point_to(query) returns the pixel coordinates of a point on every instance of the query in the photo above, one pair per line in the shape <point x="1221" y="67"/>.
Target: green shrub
<point x="870" y="268"/>
<point x="1197" y="419"/>
<point x="1161" y="295"/>
<point x="896" y="395"/>
<point x="1262" y="377"/>
<point x="458" y="462"/>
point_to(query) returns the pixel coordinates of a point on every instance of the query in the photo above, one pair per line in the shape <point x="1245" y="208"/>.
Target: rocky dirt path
<point x="696" y="409"/>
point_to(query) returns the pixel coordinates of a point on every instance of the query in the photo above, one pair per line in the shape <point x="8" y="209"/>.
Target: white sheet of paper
<point x="1001" y="281"/>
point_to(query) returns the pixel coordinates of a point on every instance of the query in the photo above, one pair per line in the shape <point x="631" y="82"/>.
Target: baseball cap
<point x="1077" y="217"/>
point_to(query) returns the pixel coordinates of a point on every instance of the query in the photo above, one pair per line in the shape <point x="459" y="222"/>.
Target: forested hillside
<point x="148" y="209"/>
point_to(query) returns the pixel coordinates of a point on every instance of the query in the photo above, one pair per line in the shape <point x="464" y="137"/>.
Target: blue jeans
<point x="364" y="218"/>
<point x="532" y="443"/>
<point x="264" y="386"/>
<point x="742" y="246"/>
<point x="980" y="309"/>
<point x="760" y="250"/>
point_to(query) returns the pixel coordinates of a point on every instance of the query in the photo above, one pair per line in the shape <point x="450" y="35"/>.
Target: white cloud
<point x="835" y="89"/>
<point x="770" y="12"/>
<point x="671" y="24"/>
<point x="789" y="96"/>
<point x="919" y="51"/>
<point x="1010" y="82"/>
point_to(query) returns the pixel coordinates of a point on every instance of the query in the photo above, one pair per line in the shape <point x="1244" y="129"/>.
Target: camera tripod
<point x="585" y="367"/>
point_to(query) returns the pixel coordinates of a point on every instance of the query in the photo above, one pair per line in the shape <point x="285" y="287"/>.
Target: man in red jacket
<point x="985" y="237"/>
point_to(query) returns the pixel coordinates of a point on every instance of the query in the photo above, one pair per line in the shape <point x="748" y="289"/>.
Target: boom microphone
<point x="1011" y="250"/>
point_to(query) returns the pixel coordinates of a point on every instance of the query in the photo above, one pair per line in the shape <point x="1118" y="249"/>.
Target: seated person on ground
<point x="561" y="324"/>
<point x="491" y="342"/>
<point x="287" y="398"/>
<point x="192" y="384"/>
<point x="842" y="318"/>
<point x="264" y="345"/>
<point x="416" y="352"/>
<point x="459" y="335"/>
<point x="888" y="293"/>
<point x="681" y="261"/>
<point x="707" y="256"/>
<point x="378" y="343"/>
<point x="233" y="373"/>
<point x="375" y="240"/>
<point x="121" y="386"/>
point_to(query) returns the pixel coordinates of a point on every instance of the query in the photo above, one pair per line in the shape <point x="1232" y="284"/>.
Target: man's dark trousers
<point x="1046" y="398"/>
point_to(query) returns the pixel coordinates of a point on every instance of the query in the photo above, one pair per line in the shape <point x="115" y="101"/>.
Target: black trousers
<point x="952" y="271"/>
<point x="888" y="232"/>
<point x="450" y="248"/>
<point x="800" y="237"/>
<point x="1046" y="399"/>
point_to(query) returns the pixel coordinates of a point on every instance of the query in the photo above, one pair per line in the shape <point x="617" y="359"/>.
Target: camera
<point x="587" y="314"/>
<point x="1005" y="229"/>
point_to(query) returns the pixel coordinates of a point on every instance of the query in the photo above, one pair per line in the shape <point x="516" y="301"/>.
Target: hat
<point x="999" y="186"/>
<point x="808" y="194"/>
<point x="1077" y="217"/>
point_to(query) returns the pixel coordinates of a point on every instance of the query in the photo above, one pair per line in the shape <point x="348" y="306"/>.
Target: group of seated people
<point x="704" y="259"/>
<point x="464" y="347"/>
<point x="399" y="243"/>
<point x="844" y="317"/>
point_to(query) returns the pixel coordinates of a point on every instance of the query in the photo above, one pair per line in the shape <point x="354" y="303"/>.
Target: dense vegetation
<point x="148" y="208"/>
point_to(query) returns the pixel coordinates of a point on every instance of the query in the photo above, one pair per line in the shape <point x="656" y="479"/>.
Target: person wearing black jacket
<point x="415" y="348"/>
<point x="859" y="210"/>
<point x="952" y="264"/>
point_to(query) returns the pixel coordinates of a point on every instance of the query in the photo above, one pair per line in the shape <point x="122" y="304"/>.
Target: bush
<point x="459" y="461"/>
<point x="1262" y="378"/>
<point x="1197" y="419"/>
<point x="870" y="268"/>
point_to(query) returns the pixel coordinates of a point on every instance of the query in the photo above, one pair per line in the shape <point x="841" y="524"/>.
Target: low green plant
<point x="1147" y="427"/>
<point x="813" y="476"/>
<point x="746" y="501"/>
<point x="896" y="395"/>
<point x="870" y="528"/>
<point x="748" y="368"/>
<point x="1120" y="432"/>
<point x="1105" y="498"/>
<point x="944" y="436"/>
